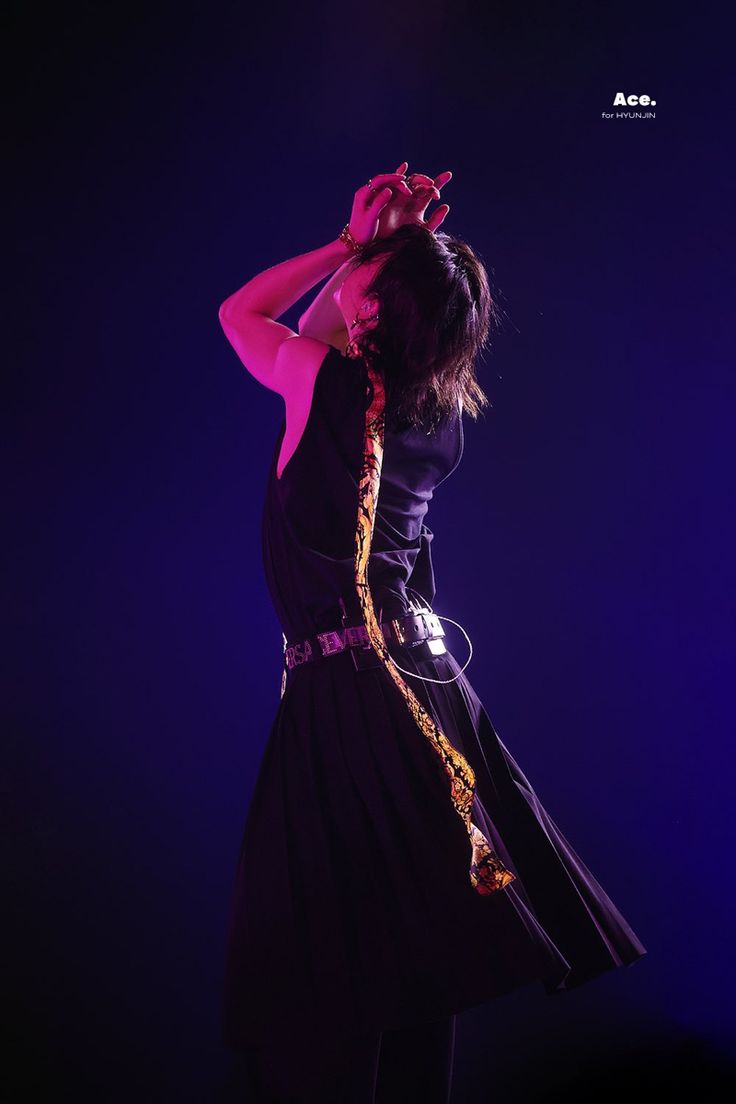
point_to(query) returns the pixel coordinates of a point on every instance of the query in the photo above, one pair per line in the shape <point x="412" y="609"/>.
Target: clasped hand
<point x="395" y="201"/>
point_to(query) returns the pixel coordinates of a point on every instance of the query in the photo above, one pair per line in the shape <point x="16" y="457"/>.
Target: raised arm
<point x="249" y="315"/>
<point x="323" y="318"/>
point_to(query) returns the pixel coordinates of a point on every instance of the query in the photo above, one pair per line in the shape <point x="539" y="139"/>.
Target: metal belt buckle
<point x="433" y="623"/>
<point x="428" y="649"/>
<point x="420" y="630"/>
<point x="398" y="629"/>
<point x="409" y="629"/>
<point x="331" y="642"/>
<point x="433" y="645"/>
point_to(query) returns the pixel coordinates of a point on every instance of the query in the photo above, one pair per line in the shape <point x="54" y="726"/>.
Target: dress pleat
<point x="351" y="908"/>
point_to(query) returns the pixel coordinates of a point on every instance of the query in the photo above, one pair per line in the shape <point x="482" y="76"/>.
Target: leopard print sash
<point x="487" y="872"/>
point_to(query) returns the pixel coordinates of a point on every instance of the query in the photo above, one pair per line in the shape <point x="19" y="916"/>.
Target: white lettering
<point x="633" y="100"/>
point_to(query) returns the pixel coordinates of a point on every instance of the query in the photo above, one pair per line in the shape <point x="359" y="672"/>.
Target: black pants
<point x="390" y="1067"/>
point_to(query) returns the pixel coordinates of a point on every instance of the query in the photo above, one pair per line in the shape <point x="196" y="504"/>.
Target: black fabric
<point x="310" y="514"/>
<point x="388" y="1067"/>
<point x="352" y="904"/>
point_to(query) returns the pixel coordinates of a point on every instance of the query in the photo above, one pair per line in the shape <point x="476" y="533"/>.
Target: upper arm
<point x="338" y="339"/>
<point x="271" y="352"/>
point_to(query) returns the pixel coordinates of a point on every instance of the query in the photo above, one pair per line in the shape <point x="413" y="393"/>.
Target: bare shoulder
<point x="298" y="362"/>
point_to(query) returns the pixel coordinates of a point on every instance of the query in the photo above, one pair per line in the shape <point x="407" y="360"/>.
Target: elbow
<point x="233" y="313"/>
<point x="229" y="316"/>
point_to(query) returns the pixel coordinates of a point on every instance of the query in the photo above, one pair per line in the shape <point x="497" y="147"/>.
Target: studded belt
<point x="418" y="630"/>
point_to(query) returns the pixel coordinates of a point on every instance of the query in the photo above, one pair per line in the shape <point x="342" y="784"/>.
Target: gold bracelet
<point x="347" y="239"/>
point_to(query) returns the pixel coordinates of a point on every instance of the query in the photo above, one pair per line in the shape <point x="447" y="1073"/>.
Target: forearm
<point x="273" y="291"/>
<point x="323" y="318"/>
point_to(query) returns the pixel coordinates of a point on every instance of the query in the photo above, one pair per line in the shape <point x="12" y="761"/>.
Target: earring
<point x="370" y="318"/>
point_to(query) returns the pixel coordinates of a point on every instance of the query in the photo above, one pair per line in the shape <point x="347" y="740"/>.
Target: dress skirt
<point x="352" y="908"/>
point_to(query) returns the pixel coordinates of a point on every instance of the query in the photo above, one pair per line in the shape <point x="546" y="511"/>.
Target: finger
<point x="395" y="181"/>
<point x="403" y="167"/>
<point x="386" y="178"/>
<point x="402" y="190"/>
<point x="379" y="201"/>
<point x="437" y="217"/>
<point x="423" y="194"/>
<point x="420" y="178"/>
<point x="422" y="185"/>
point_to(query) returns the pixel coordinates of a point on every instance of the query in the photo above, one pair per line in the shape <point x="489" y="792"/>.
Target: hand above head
<point x="403" y="208"/>
<point x="370" y="200"/>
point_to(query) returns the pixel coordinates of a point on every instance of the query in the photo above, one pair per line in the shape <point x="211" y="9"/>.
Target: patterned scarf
<point x="487" y="872"/>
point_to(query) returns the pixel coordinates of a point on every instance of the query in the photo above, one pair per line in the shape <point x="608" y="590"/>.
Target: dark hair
<point x="435" y="317"/>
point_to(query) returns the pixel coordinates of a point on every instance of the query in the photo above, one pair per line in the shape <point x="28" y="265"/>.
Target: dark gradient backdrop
<point x="163" y="155"/>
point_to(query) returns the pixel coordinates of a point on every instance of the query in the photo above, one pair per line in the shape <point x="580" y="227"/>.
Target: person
<point x="396" y="865"/>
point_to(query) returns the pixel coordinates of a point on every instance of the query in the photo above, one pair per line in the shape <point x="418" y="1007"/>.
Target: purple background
<point x="161" y="158"/>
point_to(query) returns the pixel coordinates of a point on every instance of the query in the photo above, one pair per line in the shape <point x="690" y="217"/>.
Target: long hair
<point x="436" y="316"/>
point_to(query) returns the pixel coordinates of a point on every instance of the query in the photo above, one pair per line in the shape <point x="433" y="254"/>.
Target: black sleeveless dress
<point x="352" y="909"/>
